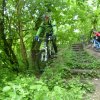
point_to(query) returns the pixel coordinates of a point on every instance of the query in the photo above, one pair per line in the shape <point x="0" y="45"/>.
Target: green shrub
<point x="30" y="88"/>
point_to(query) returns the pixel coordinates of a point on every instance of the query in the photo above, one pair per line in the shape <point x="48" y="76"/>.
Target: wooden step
<point x="77" y="47"/>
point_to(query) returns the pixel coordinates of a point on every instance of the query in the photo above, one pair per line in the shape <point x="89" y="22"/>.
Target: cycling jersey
<point x="49" y="28"/>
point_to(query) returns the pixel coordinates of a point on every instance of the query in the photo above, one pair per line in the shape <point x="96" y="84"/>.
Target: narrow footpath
<point x="96" y="81"/>
<point x="96" y="94"/>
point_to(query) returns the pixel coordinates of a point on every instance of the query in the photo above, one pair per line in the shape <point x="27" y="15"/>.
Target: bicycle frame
<point x="45" y="49"/>
<point x="96" y="44"/>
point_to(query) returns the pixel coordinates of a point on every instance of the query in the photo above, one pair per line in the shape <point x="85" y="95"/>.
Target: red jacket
<point x="97" y="33"/>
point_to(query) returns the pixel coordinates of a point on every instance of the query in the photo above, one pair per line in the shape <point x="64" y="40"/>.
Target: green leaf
<point x="6" y="88"/>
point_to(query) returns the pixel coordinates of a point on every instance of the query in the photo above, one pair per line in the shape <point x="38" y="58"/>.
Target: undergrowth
<point x="31" y="88"/>
<point x="56" y="83"/>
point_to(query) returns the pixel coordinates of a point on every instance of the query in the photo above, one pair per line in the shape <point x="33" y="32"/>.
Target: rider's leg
<point x="54" y="45"/>
<point x="47" y="44"/>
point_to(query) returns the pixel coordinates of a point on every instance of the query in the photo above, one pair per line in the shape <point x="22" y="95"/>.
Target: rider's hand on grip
<point x="37" y="38"/>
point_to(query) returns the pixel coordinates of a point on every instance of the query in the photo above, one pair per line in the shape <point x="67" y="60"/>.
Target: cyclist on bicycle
<point x="96" y="39"/>
<point x="46" y="29"/>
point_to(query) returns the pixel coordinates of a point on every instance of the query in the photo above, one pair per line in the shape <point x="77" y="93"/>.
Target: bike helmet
<point x="46" y="17"/>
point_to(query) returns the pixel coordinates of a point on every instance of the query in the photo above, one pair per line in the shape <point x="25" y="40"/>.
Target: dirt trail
<point x="90" y="50"/>
<point x="96" y="94"/>
<point x="96" y="82"/>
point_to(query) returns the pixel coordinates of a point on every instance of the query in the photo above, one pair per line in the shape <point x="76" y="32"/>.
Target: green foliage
<point x="70" y="16"/>
<point x="56" y="82"/>
<point x="33" y="89"/>
<point x="80" y="60"/>
<point x="73" y="17"/>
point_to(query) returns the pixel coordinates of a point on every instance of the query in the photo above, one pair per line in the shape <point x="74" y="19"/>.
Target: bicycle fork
<point x="44" y="55"/>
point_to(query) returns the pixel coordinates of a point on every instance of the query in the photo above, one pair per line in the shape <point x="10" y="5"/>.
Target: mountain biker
<point x="97" y="34"/>
<point x="46" y="29"/>
<point x="96" y="39"/>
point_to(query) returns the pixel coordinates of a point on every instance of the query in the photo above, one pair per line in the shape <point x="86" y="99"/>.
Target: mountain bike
<point x="46" y="49"/>
<point x="96" y="45"/>
<point x="46" y="52"/>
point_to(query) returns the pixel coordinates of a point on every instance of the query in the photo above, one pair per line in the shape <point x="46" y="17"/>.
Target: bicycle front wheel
<point x="51" y="50"/>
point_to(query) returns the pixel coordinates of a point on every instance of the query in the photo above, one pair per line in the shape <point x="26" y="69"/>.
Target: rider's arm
<point x="39" y="30"/>
<point x="54" y="27"/>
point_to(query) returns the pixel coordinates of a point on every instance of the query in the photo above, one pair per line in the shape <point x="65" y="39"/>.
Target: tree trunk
<point x="22" y="45"/>
<point x="35" y="49"/>
<point x="7" y="48"/>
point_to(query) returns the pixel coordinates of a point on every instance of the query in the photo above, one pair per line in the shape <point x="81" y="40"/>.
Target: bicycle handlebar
<point x="44" y="38"/>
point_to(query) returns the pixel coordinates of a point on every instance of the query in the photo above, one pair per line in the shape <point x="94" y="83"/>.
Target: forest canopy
<point x="20" y="20"/>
